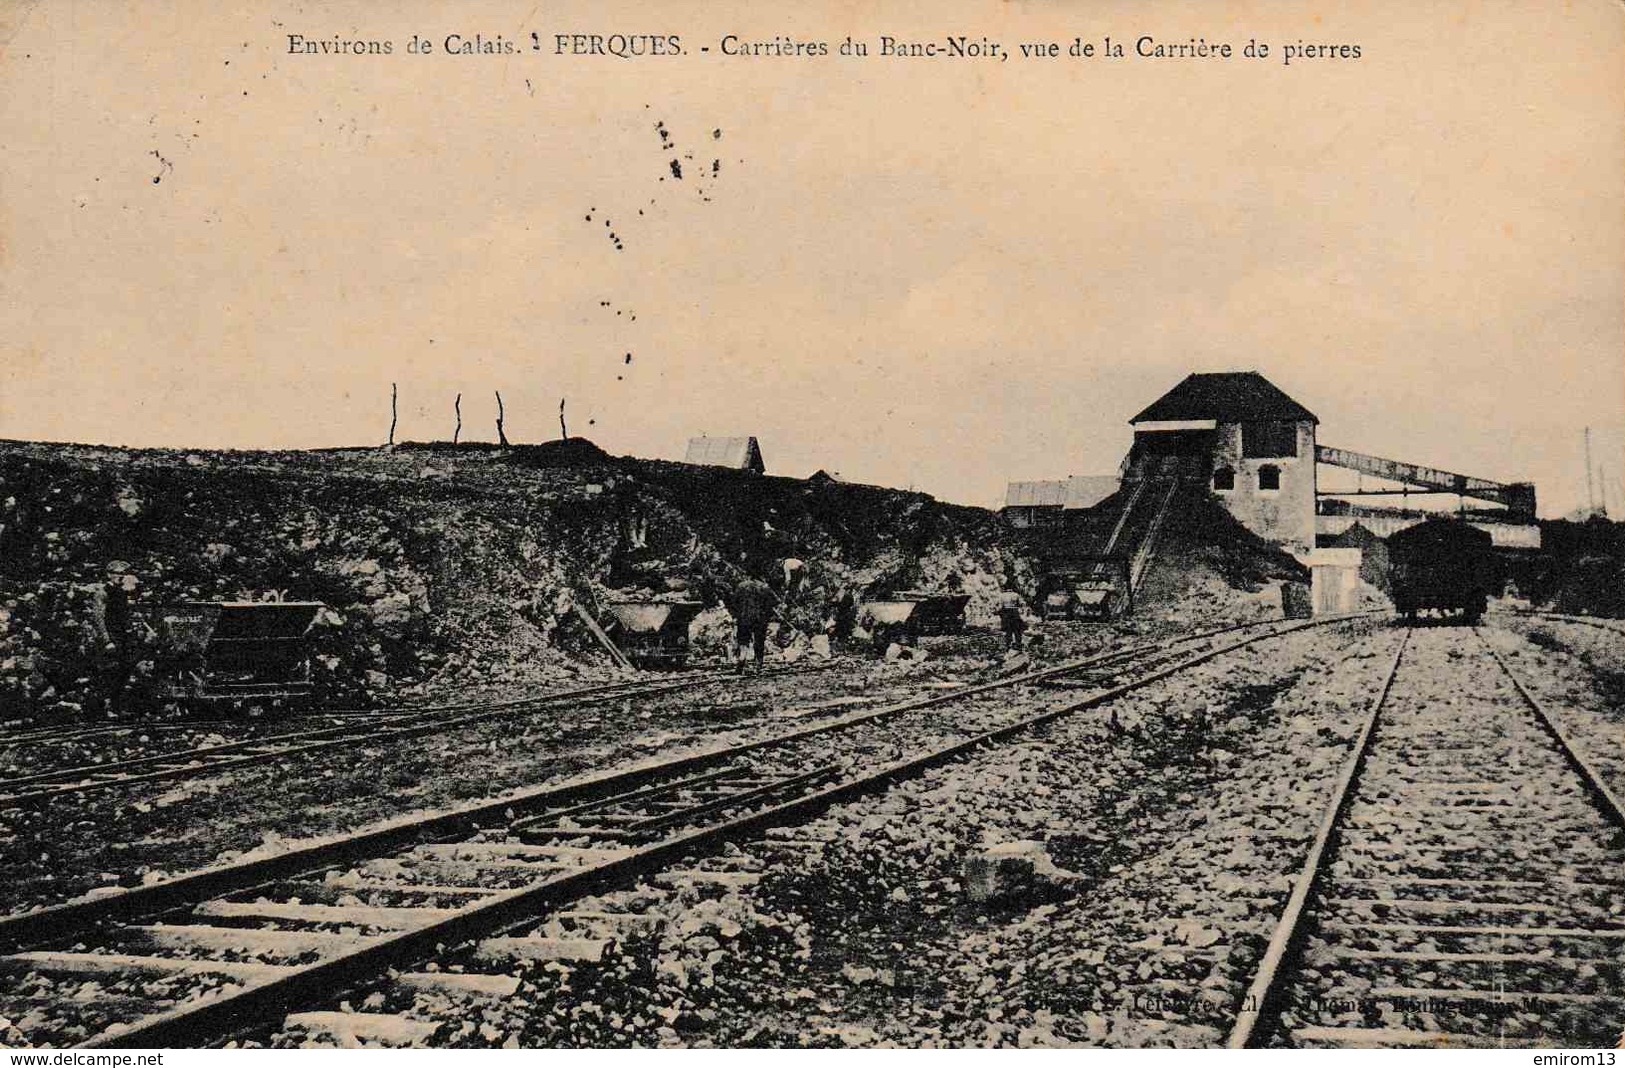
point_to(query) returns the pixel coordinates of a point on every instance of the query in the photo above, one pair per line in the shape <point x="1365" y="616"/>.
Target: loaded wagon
<point x="239" y="651"/>
<point x="1094" y="589"/>
<point x="914" y="614"/>
<point x="651" y="633"/>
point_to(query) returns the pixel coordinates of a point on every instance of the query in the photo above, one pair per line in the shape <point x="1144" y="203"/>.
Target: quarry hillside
<point x="441" y="566"/>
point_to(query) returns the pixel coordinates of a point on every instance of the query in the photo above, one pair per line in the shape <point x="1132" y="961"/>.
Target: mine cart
<point x="651" y="633"/>
<point x="1060" y="596"/>
<point x="914" y="614"/>
<point x="1095" y="589"/>
<point x="240" y="651"/>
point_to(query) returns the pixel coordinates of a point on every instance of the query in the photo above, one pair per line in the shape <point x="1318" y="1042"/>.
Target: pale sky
<point x="930" y="272"/>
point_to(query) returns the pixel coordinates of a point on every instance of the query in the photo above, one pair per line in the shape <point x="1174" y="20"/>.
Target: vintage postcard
<point x="981" y="524"/>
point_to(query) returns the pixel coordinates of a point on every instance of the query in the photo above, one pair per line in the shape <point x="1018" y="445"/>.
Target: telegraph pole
<point x="1591" y="503"/>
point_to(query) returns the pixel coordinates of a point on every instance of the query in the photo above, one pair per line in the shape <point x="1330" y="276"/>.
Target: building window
<point x="1269" y="477"/>
<point x="1224" y="479"/>
<point x="1269" y="439"/>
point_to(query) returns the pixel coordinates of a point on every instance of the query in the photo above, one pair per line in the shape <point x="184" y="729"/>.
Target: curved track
<point x="1613" y="626"/>
<point x="1467" y="886"/>
<point x="345" y="728"/>
<point x="288" y="933"/>
<point x="199" y="761"/>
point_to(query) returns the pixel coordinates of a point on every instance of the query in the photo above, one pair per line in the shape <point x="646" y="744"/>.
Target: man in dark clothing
<point x="843" y="620"/>
<point x="753" y="609"/>
<point x="1011" y="621"/>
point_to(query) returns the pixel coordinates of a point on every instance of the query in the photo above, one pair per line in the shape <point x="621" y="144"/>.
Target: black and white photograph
<point x="976" y="525"/>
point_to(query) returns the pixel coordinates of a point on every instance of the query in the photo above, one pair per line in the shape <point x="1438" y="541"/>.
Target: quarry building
<point x="1029" y="504"/>
<point x="1254" y="444"/>
<point x="1257" y="450"/>
<point x="739" y="454"/>
<point x="1240" y="437"/>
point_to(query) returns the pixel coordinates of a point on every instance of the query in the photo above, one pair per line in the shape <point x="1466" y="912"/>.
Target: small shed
<point x="740" y="454"/>
<point x="1030" y="504"/>
<point x="1086" y="491"/>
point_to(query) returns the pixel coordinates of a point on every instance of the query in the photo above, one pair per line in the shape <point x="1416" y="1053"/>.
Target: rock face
<point x="445" y="581"/>
<point x="443" y="566"/>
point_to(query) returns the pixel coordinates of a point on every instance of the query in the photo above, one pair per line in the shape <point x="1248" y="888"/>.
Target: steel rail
<point x="52" y="735"/>
<point x="1264" y="993"/>
<point x="22" y="930"/>
<point x="393" y="712"/>
<point x="65" y="734"/>
<point x="315" y="741"/>
<point x="69" y="733"/>
<point x="251" y="1006"/>
<point x="1590" y="776"/>
<point x="1607" y="623"/>
<point x="349" y="735"/>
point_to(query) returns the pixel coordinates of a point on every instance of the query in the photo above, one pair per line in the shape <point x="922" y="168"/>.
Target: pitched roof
<point x="1078" y="491"/>
<point x="1357" y="536"/>
<point x="1086" y="491"/>
<point x="725" y="452"/>
<point x="1035" y="494"/>
<point x="1227" y="396"/>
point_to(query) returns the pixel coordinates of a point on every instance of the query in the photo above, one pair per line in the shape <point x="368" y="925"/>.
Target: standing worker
<point x="1011" y="621"/>
<point x="564" y="603"/>
<point x="843" y="620"/>
<point x="752" y="608"/>
<point x="794" y="571"/>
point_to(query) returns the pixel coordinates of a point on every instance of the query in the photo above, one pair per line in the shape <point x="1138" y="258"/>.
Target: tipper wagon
<point x="651" y="633"/>
<point x="914" y="614"/>
<point x="240" y="651"/>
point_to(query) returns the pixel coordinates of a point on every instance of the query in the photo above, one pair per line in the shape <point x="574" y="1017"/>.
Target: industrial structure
<point x="1253" y="444"/>
<point x="1255" y="448"/>
<point x="740" y="454"/>
<point x="1503" y="510"/>
<point x="1039" y="504"/>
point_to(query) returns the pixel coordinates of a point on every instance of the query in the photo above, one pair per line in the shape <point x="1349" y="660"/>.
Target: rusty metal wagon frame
<point x="239" y="651"/>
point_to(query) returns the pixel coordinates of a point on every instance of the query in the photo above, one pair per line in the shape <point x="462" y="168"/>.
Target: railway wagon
<point x="910" y="614"/>
<point x="652" y="633"/>
<point x="238" y="652"/>
<point x="1440" y="566"/>
<point x="1095" y="589"/>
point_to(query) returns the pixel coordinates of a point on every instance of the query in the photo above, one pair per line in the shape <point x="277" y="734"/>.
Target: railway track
<point x="353" y="729"/>
<point x="347" y="728"/>
<point x="47" y="736"/>
<point x="239" y="948"/>
<point x="1613" y="626"/>
<point x="1467" y="885"/>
